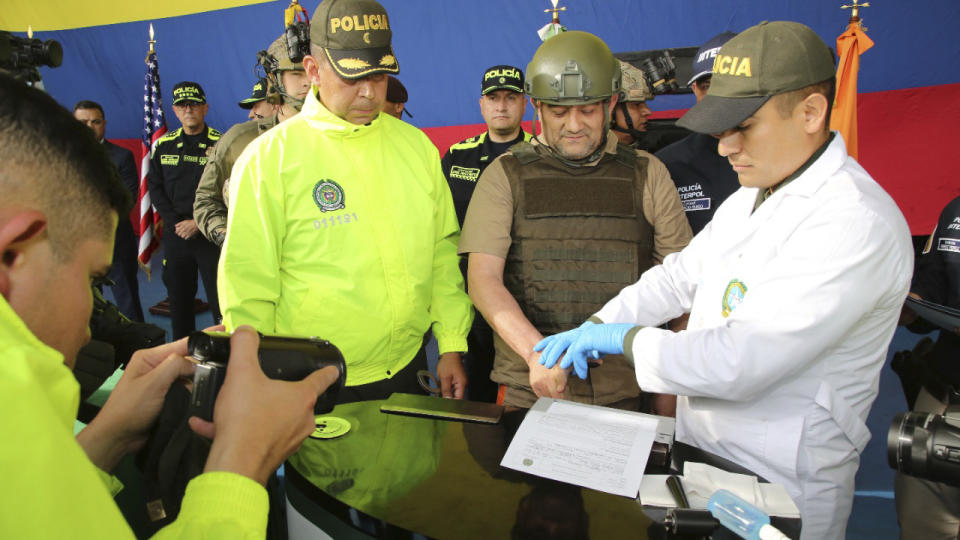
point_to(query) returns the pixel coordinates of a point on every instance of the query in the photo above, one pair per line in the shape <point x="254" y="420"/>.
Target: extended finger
<point x="202" y="427"/>
<point x="321" y="379"/>
<point x="146" y="359"/>
<point x="243" y="348"/>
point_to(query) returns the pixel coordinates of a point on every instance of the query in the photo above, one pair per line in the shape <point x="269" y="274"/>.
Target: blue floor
<point x="874" y="516"/>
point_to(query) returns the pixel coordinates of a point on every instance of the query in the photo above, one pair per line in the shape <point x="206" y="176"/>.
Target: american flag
<point x="154" y="126"/>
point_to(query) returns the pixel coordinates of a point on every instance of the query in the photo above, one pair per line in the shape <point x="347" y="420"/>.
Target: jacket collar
<point x="319" y="117"/>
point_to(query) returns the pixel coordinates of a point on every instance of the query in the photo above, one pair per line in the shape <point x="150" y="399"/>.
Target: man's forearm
<point x="501" y="310"/>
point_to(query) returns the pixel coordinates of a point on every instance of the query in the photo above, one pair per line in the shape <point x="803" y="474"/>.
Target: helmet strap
<point x="629" y="130"/>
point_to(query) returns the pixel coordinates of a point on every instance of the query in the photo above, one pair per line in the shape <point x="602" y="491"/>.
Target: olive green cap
<point x="355" y="35"/>
<point x="572" y="68"/>
<point x="762" y="61"/>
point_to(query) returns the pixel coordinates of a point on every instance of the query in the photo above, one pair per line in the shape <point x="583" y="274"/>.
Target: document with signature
<point x="595" y="447"/>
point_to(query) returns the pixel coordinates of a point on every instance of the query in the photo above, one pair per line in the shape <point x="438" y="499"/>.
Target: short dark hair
<point x="87" y="104"/>
<point x="787" y="101"/>
<point x="50" y="160"/>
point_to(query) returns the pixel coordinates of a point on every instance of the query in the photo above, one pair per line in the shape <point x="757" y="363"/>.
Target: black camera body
<point x="282" y="358"/>
<point x="661" y="73"/>
<point x="926" y="445"/>
<point x="297" y="36"/>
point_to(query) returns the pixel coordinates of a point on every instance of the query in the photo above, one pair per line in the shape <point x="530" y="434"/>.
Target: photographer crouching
<point x="61" y="199"/>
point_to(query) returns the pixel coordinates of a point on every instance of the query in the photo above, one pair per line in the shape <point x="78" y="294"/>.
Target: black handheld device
<point x="282" y="358"/>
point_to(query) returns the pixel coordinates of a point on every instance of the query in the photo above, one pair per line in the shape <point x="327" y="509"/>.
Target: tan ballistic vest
<point x="579" y="236"/>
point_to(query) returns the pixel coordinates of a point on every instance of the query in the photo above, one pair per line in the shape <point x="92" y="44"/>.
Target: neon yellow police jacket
<point x="51" y="490"/>
<point x="347" y="233"/>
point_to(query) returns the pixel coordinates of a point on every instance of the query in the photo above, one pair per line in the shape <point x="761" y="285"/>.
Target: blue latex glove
<point x="551" y="347"/>
<point x="595" y="341"/>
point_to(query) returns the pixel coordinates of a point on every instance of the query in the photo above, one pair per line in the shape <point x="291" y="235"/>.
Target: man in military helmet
<point x="285" y="87"/>
<point x="631" y="113"/>
<point x="557" y="225"/>
<point x="341" y="224"/>
<point x="502" y="106"/>
<point x="175" y="168"/>
<point x="703" y="177"/>
<point x="257" y="103"/>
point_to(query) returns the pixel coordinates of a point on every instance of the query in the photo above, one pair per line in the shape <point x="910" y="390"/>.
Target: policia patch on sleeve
<point x="328" y="195"/>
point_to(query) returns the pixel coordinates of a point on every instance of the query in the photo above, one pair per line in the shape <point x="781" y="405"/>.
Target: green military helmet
<point x="278" y="50"/>
<point x="572" y="68"/>
<point x="633" y="86"/>
<point x="275" y="60"/>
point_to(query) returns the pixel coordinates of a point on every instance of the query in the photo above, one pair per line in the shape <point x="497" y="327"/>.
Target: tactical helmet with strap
<point x="275" y="60"/>
<point x="574" y="68"/>
<point x="632" y="88"/>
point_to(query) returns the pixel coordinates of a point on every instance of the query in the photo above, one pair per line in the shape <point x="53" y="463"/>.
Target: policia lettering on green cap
<point x="558" y="225"/>
<point x="284" y="89"/>
<point x="341" y="223"/>
<point x="794" y="288"/>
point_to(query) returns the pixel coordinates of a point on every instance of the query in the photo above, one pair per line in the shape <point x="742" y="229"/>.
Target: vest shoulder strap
<point x="626" y="155"/>
<point x="524" y="152"/>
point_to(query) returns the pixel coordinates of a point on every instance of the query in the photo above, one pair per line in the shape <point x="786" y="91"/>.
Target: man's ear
<point x="814" y="109"/>
<point x="16" y="233"/>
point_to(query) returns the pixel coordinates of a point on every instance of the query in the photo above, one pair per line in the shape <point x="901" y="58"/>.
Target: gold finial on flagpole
<point x="855" y="11"/>
<point x="30" y="31"/>
<point x="151" y="41"/>
<point x="555" y="11"/>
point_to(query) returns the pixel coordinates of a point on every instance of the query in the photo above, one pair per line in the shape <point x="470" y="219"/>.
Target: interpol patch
<point x="733" y="296"/>
<point x="328" y="195"/>
<point x="949" y="244"/>
<point x="464" y="173"/>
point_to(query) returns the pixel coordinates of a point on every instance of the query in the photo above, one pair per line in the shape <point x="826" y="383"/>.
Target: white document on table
<point x="596" y="447"/>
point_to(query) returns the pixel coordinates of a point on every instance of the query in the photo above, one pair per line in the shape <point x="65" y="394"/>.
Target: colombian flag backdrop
<point x="908" y="83"/>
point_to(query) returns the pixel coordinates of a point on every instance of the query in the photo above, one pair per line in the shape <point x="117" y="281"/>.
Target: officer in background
<point x="926" y="509"/>
<point x="123" y="271"/>
<point x="502" y="106"/>
<point x="285" y="87"/>
<point x="703" y="177"/>
<point x="257" y="103"/>
<point x="396" y="103"/>
<point x="175" y="168"/>
<point x="558" y="225"/>
<point x="631" y="114"/>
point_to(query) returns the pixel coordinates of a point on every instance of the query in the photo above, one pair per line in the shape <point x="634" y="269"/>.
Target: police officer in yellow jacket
<point x="341" y="224"/>
<point x="175" y="168"/>
<point x="57" y="219"/>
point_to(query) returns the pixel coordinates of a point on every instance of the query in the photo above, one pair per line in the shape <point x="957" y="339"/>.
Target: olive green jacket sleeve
<point x="209" y="208"/>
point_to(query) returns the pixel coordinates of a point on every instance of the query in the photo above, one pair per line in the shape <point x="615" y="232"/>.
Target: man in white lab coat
<point x="794" y="288"/>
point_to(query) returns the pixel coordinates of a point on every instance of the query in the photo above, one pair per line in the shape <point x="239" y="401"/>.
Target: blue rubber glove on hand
<point x="551" y="347"/>
<point x="594" y="342"/>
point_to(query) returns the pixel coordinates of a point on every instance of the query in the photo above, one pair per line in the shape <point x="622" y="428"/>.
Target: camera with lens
<point x="661" y="73"/>
<point x="282" y="358"/>
<point x="927" y="445"/>
<point x="22" y="56"/>
<point x="297" y="36"/>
